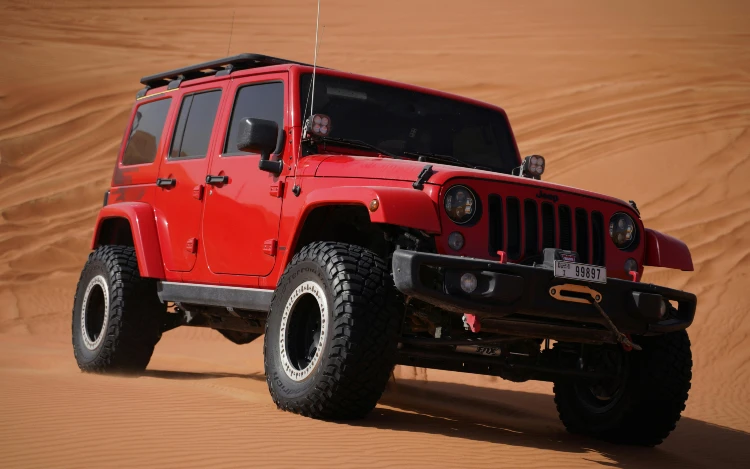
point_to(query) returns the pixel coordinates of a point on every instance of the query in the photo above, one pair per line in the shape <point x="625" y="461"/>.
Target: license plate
<point x="585" y="272"/>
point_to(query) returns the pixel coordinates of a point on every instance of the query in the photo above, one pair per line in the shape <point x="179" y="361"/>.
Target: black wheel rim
<point x="603" y="395"/>
<point x="95" y="313"/>
<point x="303" y="332"/>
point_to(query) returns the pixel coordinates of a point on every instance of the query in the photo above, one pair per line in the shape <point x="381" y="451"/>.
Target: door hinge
<point x="192" y="245"/>
<point x="277" y="190"/>
<point x="198" y="192"/>
<point x="269" y="247"/>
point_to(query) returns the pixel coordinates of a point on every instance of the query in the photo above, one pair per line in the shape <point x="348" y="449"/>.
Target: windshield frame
<point x="296" y="72"/>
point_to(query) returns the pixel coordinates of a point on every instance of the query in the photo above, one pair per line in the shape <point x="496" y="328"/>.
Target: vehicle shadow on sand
<point x="530" y="419"/>
<point x="524" y="419"/>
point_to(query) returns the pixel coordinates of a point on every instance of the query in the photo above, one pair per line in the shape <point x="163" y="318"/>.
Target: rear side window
<point x="146" y="132"/>
<point x="194" y="125"/>
<point x="264" y="101"/>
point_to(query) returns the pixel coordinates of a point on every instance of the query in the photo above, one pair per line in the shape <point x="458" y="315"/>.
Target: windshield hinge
<point x="423" y="177"/>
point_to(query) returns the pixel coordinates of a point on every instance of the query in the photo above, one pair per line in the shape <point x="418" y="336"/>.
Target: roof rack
<point x="219" y="67"/>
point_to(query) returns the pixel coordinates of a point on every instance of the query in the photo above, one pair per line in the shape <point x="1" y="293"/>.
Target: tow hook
<point x="623" y="339"/>
<point x="472" y="323"/>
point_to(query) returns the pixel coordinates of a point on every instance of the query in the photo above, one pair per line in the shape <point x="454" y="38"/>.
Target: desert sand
<point x="638" y="99"/>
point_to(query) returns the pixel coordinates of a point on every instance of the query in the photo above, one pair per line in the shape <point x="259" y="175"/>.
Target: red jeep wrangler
<point x="359" y="224"/>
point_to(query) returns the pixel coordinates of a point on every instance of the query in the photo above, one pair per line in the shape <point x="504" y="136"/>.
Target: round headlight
<point x="622" y="229"/>
<point x="460" y="204"/>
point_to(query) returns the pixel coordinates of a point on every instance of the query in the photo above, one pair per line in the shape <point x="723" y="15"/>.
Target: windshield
<point x="400" y="121"/>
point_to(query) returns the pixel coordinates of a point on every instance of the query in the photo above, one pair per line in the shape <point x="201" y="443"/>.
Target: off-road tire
<point x="654" y="396"/>
<point x="358" y="357"/>
<point x="130" y="328"/>
<point x="238" y="337"/>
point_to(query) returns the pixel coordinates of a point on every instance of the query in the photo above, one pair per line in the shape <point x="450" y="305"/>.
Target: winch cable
<point x="621" y="338"/>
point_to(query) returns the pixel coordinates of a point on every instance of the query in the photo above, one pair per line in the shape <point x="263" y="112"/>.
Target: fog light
<point x="456" y="241"/>
<point x="631" y="265"/>
<point x="468" y="282"/>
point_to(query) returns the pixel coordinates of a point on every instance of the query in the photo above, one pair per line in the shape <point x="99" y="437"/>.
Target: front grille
<point x="566" y="230"/>
<point x="582" y="235"/>
<point x="523" y="228"/>
<point x="513" y="209"/>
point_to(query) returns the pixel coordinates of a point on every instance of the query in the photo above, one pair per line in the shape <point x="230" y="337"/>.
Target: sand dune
<point x="640" y="101"/>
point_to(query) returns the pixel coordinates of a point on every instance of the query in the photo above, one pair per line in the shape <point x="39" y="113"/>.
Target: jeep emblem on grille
<point x="551" y="197"/>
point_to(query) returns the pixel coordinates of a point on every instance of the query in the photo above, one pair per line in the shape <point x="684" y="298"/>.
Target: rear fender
<point x="663" y="250"/>
<point x="396" y="206"/>
<point x="140" y="217"/>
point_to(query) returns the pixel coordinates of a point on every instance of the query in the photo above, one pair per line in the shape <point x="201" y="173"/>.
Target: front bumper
<point x="516" y="299"/>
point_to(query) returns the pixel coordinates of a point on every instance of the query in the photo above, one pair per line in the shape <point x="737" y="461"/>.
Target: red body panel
<point x="663" y="250"/>
<point x="244" y="233"/>
<point x="241" y="216"/>
<point x="396" y="206"/>
<point x="179" y="208"/>
<point x="140" y="215"/>
<point x="407" y="170"/>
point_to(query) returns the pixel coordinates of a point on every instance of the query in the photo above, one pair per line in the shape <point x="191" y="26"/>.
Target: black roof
<point x="215" y="67"/>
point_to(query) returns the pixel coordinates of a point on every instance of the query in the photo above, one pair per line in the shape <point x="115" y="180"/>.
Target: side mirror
<point x="260" y="136"/>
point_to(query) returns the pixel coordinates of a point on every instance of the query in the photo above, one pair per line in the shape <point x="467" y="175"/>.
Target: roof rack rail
<point x="218" y="67"/>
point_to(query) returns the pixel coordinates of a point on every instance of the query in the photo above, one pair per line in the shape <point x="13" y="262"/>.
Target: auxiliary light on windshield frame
<point x="532" y="167"/>
<point x="319" y="125"/>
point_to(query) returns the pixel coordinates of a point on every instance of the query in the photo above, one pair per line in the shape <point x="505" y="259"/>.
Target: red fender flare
<point x="663" y="250"/>
<point x="395" y="205"/>
<point x="140" y="215"/>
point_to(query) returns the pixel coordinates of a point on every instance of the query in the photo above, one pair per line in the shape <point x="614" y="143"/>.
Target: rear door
<point x="241" y="217"/>
<point x="181" y="183"/>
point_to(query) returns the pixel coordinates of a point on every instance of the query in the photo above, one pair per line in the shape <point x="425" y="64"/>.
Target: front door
<point x="182" y="179"/>
<point x="241" y="215"/>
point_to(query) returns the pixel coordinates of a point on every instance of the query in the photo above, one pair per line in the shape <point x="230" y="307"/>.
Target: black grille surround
<point x="531" y="225"/>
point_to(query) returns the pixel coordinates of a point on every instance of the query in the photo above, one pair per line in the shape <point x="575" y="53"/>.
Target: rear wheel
<point x="116" y="313"/>
<point x="331" y="333"/>
<point x="641" y="406"/>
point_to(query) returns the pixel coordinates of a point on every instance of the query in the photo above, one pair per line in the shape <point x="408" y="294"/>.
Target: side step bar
<point x="251" y="299"/>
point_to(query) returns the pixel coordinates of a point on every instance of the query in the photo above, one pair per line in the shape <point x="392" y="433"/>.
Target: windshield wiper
<point x="425" y="156"/>
<point x="356" y="144"/>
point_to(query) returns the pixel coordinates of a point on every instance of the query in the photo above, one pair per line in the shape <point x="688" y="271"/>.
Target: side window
<point x="194" y="125"/>
<point x="145" y="134"/>
<point x="264" y="101"/>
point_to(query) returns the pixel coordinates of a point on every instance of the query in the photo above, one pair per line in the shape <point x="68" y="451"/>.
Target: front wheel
<point x="641" y="407"/>
<point x="331" y="334"/>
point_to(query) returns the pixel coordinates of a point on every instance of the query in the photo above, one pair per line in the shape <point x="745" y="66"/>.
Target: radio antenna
<point x="296" y="189"/>
<point x="231" y="30"/>
<point x="315" y="60"/>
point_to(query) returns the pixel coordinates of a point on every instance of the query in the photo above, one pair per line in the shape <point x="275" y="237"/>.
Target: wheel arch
<point x="131" y="224"/>
<point x="667" y="251"/>
<point x="346" y="214"/>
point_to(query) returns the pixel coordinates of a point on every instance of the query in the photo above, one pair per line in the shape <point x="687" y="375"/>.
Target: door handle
<point x="162" y="182"/>
<point x="217" y="180"/>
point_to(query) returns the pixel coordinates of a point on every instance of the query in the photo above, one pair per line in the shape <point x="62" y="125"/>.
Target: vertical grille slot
<point x="532" y="227"/>
<point x="513" y="207"/>
<point x="495" y="209"/>
<point x="566" y="234"/>
<point x="597" y="238"/>
<point x="582" y="235"/>
<point x="548" y="226"/>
